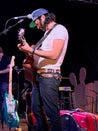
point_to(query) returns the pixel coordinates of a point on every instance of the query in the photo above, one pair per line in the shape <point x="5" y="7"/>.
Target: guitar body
<point x="10" y="112"/>
<point x="29" y="68"/>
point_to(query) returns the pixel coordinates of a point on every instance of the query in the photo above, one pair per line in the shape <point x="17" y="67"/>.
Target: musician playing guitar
<point x="48" y="55"/>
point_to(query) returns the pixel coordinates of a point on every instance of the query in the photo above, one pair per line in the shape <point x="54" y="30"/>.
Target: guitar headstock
<point x="12" y="63"/>
<point x="21" y="33"/>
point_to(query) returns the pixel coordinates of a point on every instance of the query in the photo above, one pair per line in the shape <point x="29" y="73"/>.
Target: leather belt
<point x="48" y="75"/>
<point x="42" y="71"/>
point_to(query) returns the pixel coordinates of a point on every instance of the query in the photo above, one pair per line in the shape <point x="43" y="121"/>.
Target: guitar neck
<point x="23" y="40"/>
<point x="10" y="78"/>
<point x="10" y="84"/>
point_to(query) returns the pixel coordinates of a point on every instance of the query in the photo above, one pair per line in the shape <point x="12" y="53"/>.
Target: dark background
<point x="80" y="19"/>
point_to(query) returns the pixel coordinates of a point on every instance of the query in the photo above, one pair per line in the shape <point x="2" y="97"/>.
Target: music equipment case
<point x="78" y="121"/>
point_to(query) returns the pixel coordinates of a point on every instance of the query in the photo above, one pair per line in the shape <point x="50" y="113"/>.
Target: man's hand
<point x="25" y="48"/>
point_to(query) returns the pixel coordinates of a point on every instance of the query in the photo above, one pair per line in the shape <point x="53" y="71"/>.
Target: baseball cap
<point x="35" y="14"/>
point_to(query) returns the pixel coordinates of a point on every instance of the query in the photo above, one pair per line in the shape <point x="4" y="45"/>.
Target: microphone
<point x="29" y="16"/>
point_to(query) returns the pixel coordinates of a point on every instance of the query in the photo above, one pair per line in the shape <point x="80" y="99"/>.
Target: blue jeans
<point x="45" y="94"/>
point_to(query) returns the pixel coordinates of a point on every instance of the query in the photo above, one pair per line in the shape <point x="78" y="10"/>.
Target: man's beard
<point x="43" y="26"/>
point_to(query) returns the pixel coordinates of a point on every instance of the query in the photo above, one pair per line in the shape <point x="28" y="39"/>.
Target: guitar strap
<point x="43" y="38"/>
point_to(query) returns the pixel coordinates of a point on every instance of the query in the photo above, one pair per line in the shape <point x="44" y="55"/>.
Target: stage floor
<point x="22" y="126"/>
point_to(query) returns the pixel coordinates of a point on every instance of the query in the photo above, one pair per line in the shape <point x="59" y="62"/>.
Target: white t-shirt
<point x="59" y="32"/>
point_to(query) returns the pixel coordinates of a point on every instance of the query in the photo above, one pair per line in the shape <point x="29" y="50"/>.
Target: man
<point x="4" y="76"/>
<point x="48" y="59"/>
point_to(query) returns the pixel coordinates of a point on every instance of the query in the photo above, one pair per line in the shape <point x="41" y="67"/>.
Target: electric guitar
<point x="28" y="63"/>
<point x="10" y="110"/>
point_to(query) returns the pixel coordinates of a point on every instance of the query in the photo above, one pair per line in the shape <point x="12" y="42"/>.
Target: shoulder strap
<point x="43" y="38"/>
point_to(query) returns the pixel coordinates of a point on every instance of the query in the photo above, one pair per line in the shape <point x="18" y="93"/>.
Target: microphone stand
<point x="10" y="27"/>
<point x="18" y="72"/>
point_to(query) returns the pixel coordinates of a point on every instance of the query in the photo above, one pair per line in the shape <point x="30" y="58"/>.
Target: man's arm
<point x="5" y="70"/>
<point x="57" y="47"/>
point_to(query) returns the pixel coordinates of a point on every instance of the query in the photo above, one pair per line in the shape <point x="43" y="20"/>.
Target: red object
<point x="84" y="120"/>
<point x="34" y="120"/>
